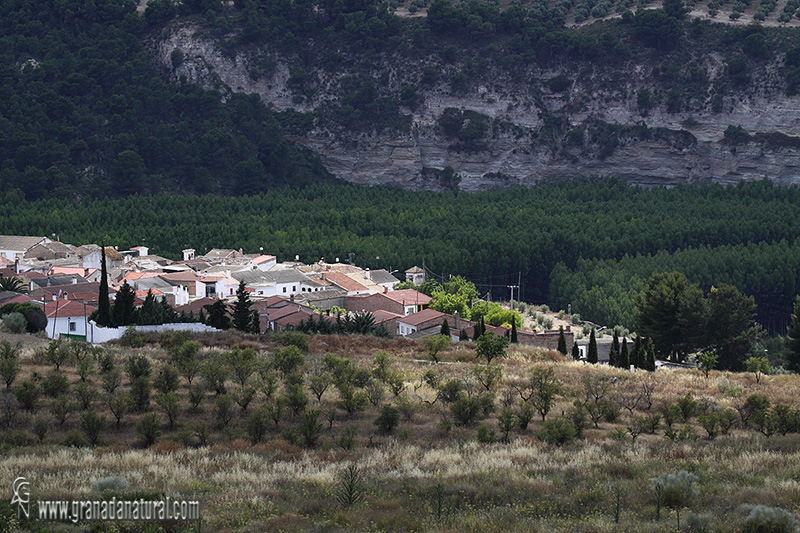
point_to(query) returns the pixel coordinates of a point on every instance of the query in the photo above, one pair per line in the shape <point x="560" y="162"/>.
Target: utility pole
<point x="512" y="287"/>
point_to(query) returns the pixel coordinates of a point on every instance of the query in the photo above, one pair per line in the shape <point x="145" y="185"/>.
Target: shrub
<point x="768" y="519"/>
<point x="111" y="484"/>
<point x="131" y="338"/>
<point x="92" y="425"/>
<point x="55" y="384"/>
<point x="140" y="394"/>
<point x="293" y="338"/>
<point x="558" y="430"/>
<point x="486" y="435"/>
<point x="15" y="322"/>
<point x="675" y="491"/>
<point x="167" y="380"/>
<point x="256" y="427"/>
<point x="148" y="428"/>
<point x="27" y="394"/>
<point x="310" y="428"/>
<point x="388" y="419"/>
<point x="222" y="409"/>
<point x="75" y="439"/>
<point x="349" y="487"/>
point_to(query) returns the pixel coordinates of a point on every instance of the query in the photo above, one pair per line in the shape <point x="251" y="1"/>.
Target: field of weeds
<point x="360" y="434"/>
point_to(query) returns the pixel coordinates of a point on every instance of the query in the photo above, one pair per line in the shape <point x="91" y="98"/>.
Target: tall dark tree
<point x="255" y="323"/>
<point x="731" y="326"/>
<point x="613" y="354"/>
<point x="218" y="315"/>
<point x="576" y="352"/>
<point x="562" y="341"/>
<point x="104" y="307"/>
<point x="636" y="354"/>
<point x="445" y="328"/>
<point x="649" y="357"/>
<point x="514" y="339"/>
<point x="624" y="360"/>
<point x="591" y="354"/>
<point x="148" y="312"/>
<point x="242" y="316"/>
<point x="793" y="338"/>
<point x="123" y="312"/>
<point x="658" y="307"/>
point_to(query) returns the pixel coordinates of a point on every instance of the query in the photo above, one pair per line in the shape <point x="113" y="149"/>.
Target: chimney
<point x="366" y="274"/>
<point x="324" y="276"/>
<point x="385" y="290"/>
<point x="16" y="265"/>
<point x="458" y="321"/>
<point x="74" y="280"/>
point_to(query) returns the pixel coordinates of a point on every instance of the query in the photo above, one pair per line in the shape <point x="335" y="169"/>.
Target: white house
<point x="14" y="247"/>
<point x="67" y="317"/>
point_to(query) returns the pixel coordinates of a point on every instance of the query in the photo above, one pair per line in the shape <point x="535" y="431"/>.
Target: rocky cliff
<point x="535" y="122"/>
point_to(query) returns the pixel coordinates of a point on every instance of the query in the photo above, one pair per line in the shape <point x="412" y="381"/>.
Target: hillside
<point x="438" y="447"/>
<point x="506" y="96"/>
<point x="473" y="95"/>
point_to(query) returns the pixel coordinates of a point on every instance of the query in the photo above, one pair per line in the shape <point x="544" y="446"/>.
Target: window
<point x="73" y="326"/>
<point x="284" y="289"/>
<point x="294" y="288"/>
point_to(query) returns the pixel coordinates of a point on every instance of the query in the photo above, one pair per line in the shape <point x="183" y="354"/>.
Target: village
<point x="65" y="280"/>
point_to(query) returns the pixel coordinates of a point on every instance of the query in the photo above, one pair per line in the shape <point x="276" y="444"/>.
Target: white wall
<point x="98" y="334"/>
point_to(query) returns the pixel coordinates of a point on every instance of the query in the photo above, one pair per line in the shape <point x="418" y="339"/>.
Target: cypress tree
<point x="514" y="331"/>
<point x="242" y="317"/>
<point x="104" y="307"/>
<point x="650" y="357"/>
<point x="576" y="352"/>
<point x="562" y="341"/>
<point x="636" y="355"/>
<point x="591" y="355"/>
<point x="462" y="336"/>
<point x="624" y="361"/>
<point x="793" y="338"/>
<point x="445" y="328"/>
<point x="613" y="354"/>
<point x="255" y="325"/>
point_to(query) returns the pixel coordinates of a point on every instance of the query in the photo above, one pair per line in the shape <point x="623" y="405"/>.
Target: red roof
<point x="195" y="305"/>
<point x="263" y="259"/>
<point x="346" y="283"/>
<point x="67" y="308"/>
<point x="422" y="316"/>
<point x="21" y="299"/>
<point x="409" y="296"/>
<point x="293" y="319"/>
<point x="78" y="271"/>
<point x="382" y="316"/>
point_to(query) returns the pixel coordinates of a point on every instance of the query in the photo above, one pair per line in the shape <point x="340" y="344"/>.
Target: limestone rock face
<point x="593" y="127"/>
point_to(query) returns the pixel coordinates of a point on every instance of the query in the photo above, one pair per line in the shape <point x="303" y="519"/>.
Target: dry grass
<point x="523" y="485"/>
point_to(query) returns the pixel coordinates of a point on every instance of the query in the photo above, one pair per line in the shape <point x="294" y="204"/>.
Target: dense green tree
<point x="218" y="315"/>
<point x="576" y="354"/>
<point x="123" y="311"/>
<point x="793" y="338"/>
<point x="658" y="312"/>
<point x="732" y="331"/>
<point x="491" y="346"/>
<point x="242" y="317"/>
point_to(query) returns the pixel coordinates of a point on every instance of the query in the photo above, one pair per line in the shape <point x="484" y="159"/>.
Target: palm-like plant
<point x="13" y="284"/>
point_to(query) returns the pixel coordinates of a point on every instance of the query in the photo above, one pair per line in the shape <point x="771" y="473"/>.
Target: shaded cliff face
<point x="643" y="122"/>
